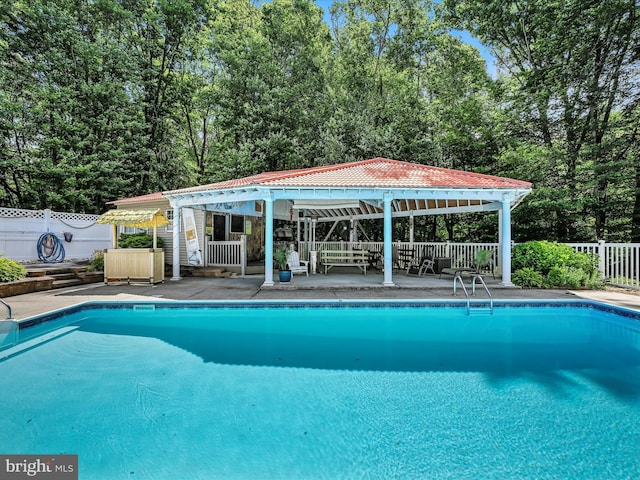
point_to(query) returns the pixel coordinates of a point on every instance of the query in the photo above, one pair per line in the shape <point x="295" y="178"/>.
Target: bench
<point x="344" y="258"/>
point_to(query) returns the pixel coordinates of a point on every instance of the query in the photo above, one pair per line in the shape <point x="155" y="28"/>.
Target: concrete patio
<point x="341" y="284"/>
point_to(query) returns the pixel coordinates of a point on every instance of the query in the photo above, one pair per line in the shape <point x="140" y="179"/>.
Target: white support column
<point x="506" y="242"/>
<point x="268" y="243"/>
<point x="388" y="242"/>
<point x="411" y="228"/>
<point x="176" y="244"/>
<point x="500" y="240"/>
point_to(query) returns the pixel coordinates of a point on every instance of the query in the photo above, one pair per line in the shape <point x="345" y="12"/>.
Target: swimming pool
<point x="329" y="390"/>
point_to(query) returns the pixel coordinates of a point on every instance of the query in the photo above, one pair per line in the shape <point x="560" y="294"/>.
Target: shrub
<point x="528" y="278"/>
<point x="11" y="270"/>
<point x="565" y="276"/>
<point x="138" y="240"/>
<point x="541" y="256"/>
<point x="557" y="265"/>
<point x="97" y="261"/>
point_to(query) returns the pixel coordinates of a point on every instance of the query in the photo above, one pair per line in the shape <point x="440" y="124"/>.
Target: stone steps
<point x="68" y="282"/>
<point x="50" y="277"/>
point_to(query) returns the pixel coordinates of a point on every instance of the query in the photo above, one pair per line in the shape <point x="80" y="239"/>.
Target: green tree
<point x="571" y="68"/>
<point x="270" y="97"/>
<point x="87" y="102"/>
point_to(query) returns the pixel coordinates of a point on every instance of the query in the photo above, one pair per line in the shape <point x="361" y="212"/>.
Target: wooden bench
<point x="344" y="258"/>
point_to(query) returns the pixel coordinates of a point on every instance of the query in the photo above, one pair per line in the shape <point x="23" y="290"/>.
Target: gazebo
<point x="376" y="188"/>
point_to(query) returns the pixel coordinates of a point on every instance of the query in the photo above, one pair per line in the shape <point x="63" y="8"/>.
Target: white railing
<point x="461" y="254"/>
<point x="225" y="254"/>
<point x="619" y="263"/>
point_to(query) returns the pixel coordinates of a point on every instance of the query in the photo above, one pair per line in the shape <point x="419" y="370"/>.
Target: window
<point x="169" y="215"/>
<point x="237" y="224"/>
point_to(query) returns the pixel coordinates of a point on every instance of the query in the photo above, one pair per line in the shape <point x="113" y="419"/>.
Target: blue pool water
<point x="326" y="391"/>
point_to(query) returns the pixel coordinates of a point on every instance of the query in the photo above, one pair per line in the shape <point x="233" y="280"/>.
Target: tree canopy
<point x="106" y="99"/>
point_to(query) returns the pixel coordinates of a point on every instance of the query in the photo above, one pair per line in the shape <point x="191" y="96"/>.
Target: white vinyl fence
<point x="79" y="234"/>
<point x="619" y="263"/>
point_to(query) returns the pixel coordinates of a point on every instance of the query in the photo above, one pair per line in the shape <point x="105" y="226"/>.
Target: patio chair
<point x="482" y="264"/>
<point x="422" y="266"/>
<point x="295" y="264"/>
<point x="375" y="260"/>
<point x="404" y="258"/>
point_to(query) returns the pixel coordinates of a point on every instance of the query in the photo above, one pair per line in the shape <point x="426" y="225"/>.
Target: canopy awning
<point x="134" y="218"/>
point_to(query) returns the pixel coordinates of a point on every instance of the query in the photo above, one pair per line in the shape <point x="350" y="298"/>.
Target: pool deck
<point x="333" y="286"/>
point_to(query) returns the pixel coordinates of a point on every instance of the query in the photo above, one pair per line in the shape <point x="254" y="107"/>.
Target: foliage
<point x="483" y="258"/>
<point x="138" y="240"/>
<point x="549" y="264"/>
<point x="11" y="270"/>
<point x="111" y="99"/>
<point x="86" y="100"/>
<point x="280" y="257"/>
<point x="571" y="89"/>
<point x="568" y="277"/>
<point x="97" y="261"/>
<point x="528" y="278"/>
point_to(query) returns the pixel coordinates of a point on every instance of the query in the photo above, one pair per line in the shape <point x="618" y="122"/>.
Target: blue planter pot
<point x="284" y="275"/>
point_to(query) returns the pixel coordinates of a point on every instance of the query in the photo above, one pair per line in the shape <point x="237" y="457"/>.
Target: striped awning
<point x="134" y="218"/>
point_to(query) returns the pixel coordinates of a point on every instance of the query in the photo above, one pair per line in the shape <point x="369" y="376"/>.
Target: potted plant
<point x="280" y="257"/>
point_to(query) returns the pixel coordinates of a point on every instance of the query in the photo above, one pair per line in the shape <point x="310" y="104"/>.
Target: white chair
<point x="295" y="264"/>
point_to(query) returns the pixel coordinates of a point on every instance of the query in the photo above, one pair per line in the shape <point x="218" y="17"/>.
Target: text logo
<point x="49" y="467"/>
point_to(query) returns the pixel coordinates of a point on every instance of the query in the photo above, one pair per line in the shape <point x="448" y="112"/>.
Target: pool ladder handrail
<point x="10" y="317"/>
<point x="466" y="294"/>
<point x="458" y="276"/>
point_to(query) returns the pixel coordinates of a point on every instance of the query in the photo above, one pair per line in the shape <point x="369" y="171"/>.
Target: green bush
<point x="557" y="265"/>
<point x="565" y="276"/>
<point x="138" y="240"/>
<point x="11" y="270"/>
<point x="97" y="262"/>
<point x="528" y="278"/>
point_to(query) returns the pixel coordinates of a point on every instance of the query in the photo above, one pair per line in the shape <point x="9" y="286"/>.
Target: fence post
<point x="602" y="256"/>
<point x="47" y="220"/>
<point x="243" y="254"/>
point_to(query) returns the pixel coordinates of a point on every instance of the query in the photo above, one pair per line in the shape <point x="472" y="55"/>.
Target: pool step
<point x="480" y="310"/>
<point x="42" y="277"/>
<point x="67" y="282"/>
<point x="65" y="276"/>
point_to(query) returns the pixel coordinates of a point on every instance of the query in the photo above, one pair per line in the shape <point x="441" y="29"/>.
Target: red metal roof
<point x="142" y="198"/>
<point x="374" y="173"/>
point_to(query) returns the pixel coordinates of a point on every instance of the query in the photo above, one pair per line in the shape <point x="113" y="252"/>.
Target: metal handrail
<point x="8" y="308"/>
<point x="486" y="289"/>
<point x="455" y="279"/>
